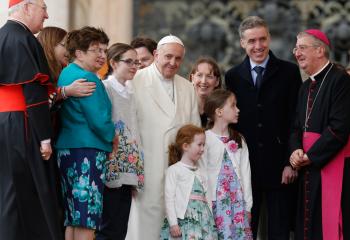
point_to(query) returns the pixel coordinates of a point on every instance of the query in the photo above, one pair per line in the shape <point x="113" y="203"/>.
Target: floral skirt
<point x="198" y="223"/>
<point x="82" y="172"/>
<point x="229" y="208"/>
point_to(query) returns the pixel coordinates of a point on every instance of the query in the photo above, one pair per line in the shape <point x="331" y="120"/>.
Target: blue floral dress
<point x="82" y="179"/>
<point x="198" y="223"/>
<point x="229" y="208"/>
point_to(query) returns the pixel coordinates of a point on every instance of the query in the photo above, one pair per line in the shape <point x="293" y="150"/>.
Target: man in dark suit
<point x="266" y="89"/>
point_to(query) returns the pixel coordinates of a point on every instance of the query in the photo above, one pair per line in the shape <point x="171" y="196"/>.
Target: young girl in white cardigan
<point x="226" y="164"/>
<point x="188" y="215"/>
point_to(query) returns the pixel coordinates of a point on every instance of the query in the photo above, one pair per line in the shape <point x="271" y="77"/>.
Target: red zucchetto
<point x="14" y="2"/>
<point x="319" y="35"/>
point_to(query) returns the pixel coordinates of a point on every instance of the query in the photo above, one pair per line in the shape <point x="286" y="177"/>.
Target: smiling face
<point x="204" y="80"/>
<point x="126" y="69"/>
<point x="168" y="59"/>
<point x="195" y="149"/>
<point x="308" y="54"/>
<point x="93" y="58"/>
<point x="256" y="42"/>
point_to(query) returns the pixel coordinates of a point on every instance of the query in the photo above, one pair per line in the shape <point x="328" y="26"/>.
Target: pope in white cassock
<point x="164" y="101"/>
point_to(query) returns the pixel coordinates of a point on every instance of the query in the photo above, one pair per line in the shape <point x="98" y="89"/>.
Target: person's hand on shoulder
<point x="80" y="88"/>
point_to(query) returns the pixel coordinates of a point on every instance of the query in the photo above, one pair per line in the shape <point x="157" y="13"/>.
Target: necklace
<point x="307" y="115"/>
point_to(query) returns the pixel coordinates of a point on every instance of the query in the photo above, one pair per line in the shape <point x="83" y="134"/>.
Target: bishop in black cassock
<point x="319" y="143"/>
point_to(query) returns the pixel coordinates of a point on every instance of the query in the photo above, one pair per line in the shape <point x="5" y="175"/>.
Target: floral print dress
<point x="198" y="223"/>
<point x="229" y="208"/>
<point x="82" y="173"/>
<point x="127" y="166"/>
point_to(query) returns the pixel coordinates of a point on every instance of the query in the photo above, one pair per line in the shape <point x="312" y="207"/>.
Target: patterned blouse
<point x="127" y="166"/>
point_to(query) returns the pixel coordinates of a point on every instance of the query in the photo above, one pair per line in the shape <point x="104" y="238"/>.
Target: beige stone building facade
<point x="114" y="16"/>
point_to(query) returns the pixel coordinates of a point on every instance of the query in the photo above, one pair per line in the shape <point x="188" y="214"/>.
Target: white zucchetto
<point x="170" y="39"/>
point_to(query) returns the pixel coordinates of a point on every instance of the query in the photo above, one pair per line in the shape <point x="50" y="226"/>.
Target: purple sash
<point x="332" y="180"/>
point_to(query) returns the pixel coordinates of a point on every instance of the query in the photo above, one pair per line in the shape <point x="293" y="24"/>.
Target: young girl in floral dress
<point x="125" y="169"/>
<point x="226" y="163"/>
<point x="187" y="210"/>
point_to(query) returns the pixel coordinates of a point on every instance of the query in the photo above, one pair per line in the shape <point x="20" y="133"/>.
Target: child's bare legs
<point x="83" y="233"/>
<point x="68" y="235"/>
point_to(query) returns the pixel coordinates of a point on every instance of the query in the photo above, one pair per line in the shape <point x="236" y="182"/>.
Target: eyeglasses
<point x="131" y="62"/>
<point x="43" y="7"/>
<point x="303" y="48"/>
<point x="98" y="51"/>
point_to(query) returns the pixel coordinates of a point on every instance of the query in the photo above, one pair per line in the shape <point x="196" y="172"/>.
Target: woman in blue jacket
<point x="86" y="135"/>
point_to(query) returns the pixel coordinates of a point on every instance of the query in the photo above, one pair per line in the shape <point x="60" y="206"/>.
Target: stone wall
<point x="210" y="27"/>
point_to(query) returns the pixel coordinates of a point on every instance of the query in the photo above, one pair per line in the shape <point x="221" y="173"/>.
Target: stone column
<point x="114" y="16"/>
<point x="58" y="13"/>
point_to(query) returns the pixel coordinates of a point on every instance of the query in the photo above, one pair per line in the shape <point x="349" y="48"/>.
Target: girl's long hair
<point x="49" y="38"/>
<point x="184" y="135"/>
<point x="217" y="99"/>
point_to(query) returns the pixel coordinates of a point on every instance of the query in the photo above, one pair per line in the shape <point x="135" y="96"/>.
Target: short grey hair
<point x="251" y="22"/>
<point x="317" y="42"/>
<point x="18" y="6"/>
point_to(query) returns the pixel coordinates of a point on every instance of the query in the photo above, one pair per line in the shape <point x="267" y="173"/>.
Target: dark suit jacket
<point x="266" y="116"/>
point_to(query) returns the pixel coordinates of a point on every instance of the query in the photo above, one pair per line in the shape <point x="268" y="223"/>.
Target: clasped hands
<point x="299" y="159"/>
